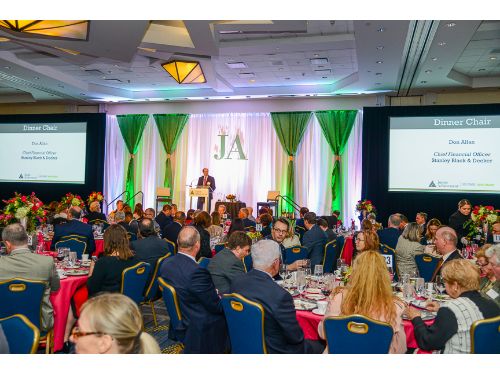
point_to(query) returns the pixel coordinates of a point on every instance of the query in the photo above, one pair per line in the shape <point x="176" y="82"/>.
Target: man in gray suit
<point x="20" y="262"/>
<point x="228" y="263"/>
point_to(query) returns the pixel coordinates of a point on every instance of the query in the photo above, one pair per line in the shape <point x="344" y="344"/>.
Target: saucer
<point x="316" y="312"/>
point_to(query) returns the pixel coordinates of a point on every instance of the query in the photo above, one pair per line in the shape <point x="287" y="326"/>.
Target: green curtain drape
<point x="170" y="127"/>
<point x="290" y="128"/>
<point x="131" y="127"/>
<point x="336" y="126"/>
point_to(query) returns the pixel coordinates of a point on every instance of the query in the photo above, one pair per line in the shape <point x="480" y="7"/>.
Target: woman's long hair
<point x="369" y="290"/>
<point x="116" y="241"/>
<point x="117" y="315"/>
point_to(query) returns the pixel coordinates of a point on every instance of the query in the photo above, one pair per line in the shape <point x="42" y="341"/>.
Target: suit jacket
<point x="281" y="330"/>
<point x="149" y="250"/>
<point x="163" y="220"/>
<point x="454" y="255"/>
<point x="212" y="184"/>
<point x="22" y="263"/>
<point x="330" y="235"/>
<point x="171" y="232"/>
<point x="331" y="220"/>
<point x="300" y="223"/>
<point x="248" y="223"/>
<point x="389" y="237"/>
<point x="223" y="268"/>
<point x="78" y="228"/>
<point x="203" y="326"/>
<point x="315" y="240"/>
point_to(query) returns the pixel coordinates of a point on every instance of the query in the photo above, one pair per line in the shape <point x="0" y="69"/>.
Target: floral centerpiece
<point x="26" y="209"/>
<point x="365" y="207"/>
<point x="482" y="218"/>
<point x="72" y="200"/>
<point x="95" y="196"/>
<point x="346" y="275"/>
<point x="231" y="197"/>
<point x="255" y="236"/>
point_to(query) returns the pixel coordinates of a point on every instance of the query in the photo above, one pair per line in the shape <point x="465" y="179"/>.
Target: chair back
<point x="171" y="303"/>
<point x="245" y="323"/>
<point x="426" y="265"/>
<point x="131" y="236"/>
<point x="152" y="289"/>
<point x="300" y="231"/>
<point x="22" y="296"/>
<point x="21" y="334"/>
<point x="329" y="256"/>
<point x="357" y="334"/>
<point x="103" y="223"/>
<point x="485" y="336"/>
<point x="134" y="281"/>
<point x="171" y="247"/>
<point x="248" y="263"/>
<point x="390" y="258"/>
<point x="220" y="246"/>
<point x="74" y="243"/>
<point x="204" y="262"/>
<point x="295" y="253"/>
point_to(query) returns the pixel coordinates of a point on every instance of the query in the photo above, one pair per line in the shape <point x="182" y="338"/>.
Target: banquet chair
<point x="340" y="249"/>
<point x="295" y="253"/>
<point x="171" y="247"/>
<point x="388" y="251"/>
<point x="134" y="281"/>
<point x="245" y="323"/>
<point x="426" y="265"/>
<point x="173" y="307"/>
<point x="220" y="246"/>
<point x="329" y="256"/>
<point x="247" y="263"/>
<point x="485" y="336"/>
<point x="22" y="296"/>
<point x="74" y="243"/>
<point x="131" y="236"/>
<point x="299" y="231"/>
<point x="103" y="223"/>
<point x="357" y="334"/>
<point x="152" y="291"/>
<point x="21" y="334"/>
<point x="204" y="262"/>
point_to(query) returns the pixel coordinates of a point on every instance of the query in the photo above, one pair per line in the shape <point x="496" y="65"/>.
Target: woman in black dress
<point x="459" y="218"/>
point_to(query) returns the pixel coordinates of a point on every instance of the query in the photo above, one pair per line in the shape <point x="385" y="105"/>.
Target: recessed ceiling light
<point x="451" y="24"/>
<point x="252" y="81"/>
<point x="379" y="62"/>
<point x="246" y="75"/>
<point x="442" y="44"/>
<point x="434" y="59"/>
<point x="380" y="48"/>
<point x="381" y="30"/>
<point x="428" y="71"/>
<point x="481" y="70"/>
<point x="493" y="58"/>
<point x="423" y="81"/>
<point x="237" y="65"/>
<point x="319" y="61"/>
<point x="316" y="55"/>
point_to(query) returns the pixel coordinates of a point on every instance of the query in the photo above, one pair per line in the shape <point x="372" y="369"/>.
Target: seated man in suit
<point x="203" y="326"/>
<point x="171" y="232"/>
<point x="228" y="263"/>
<point x="74" y="227"/>
<point x="446" y="245"/>
<point x="164" y="218"/>
<point x="243" y="215"/>
<point x="281" y="330"/>
<point x="149" y="248"/>
<point x="222" y="210"/>
<point x="390" y="235"/>
<point x="300" y="221"/>
<point x="20" y="262"/>
<point x="126" y="223"/>
<point x="149" y="213"/>
<point x="323" y="224"/>
<point x="314" y="239"/>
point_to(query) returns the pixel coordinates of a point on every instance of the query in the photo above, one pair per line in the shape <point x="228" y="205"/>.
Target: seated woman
<point x="489" y="286"/>
<point x="189" y="217"/>
<point x="138" y="211"/>
<point x="111" y="323"/>
<point x="407" y="247"/>
<point x="292" y="239"/>
<point x="266" y="221"/>
<point x="106" y="274"/>
<point x="450" y="332"/>
<point x="201" y="223"/>
<point x="366" y="240"/>
<point x="429" y="236"/>
<point x="95" y="213"/>
<point x="369" y="293"/>
<point x="215" y="229"/>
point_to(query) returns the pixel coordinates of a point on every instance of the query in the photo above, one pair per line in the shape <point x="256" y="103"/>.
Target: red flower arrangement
<point x="365" y="205"/>
<point x="71" y="199"/>
<point x="27" y="209"/>
<point x="95" y="196"/>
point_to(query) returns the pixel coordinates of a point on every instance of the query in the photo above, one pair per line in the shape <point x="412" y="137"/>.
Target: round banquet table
<point x="99" y="246"/>
<point x="232" y="208"/>
<point x="309" y="323"/>
<point x="61" y="302"/>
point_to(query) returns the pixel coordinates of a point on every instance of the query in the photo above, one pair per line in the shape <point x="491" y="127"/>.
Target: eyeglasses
<point x="283" y="231"/>
<point x="359" y="240"/>
<point x="77" y="333"/>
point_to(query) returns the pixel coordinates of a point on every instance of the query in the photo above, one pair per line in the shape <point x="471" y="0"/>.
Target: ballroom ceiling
<point x="121" y="61"/>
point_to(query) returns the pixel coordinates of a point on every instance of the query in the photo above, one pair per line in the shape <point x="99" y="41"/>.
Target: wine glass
<point x="283" y="271"/>
<point x="391" y="273"/>
<point x="439" y="284"/>
<point x="301" y="281"/>
<point x="60" y="254"/>
<point x="408" y="293"/>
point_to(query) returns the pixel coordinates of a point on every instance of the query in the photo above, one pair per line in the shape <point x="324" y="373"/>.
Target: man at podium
<point x="207" y="181"/>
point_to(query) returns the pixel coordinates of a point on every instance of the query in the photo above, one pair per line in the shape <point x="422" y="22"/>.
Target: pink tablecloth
<point x="309" y="323"/>
<point x="347" y="250"/>
<point x="61" y="301"/>
<point x="99" y="246"/>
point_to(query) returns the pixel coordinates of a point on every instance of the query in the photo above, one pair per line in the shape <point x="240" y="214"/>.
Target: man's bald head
<point x="446" y="240"/>
<point x="189" y="241"/>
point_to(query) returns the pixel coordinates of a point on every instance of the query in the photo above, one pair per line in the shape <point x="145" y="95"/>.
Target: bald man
<point x="446" y="245"/>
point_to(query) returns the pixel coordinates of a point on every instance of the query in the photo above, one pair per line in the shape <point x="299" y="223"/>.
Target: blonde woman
<point x="369" y="293"/>
<point x="291" y="238"/>
<point x="111" y="323"/>
<point x="407" y="247"/>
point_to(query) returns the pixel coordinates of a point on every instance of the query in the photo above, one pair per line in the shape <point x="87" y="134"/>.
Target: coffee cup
<point x="85" y="257"/>
<point x="322" y="307"/>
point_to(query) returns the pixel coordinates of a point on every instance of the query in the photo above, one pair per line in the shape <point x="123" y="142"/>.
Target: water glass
<point x="405" y="278"/>
<point x="318" y="271"/>
<point x="429" y="290"/>
<point x="72" y="258"/>
<point x="283" y="271"/>
<point x="420" y="286"/>
<point x="301" y="281"/>
<point x="408" y="293"/>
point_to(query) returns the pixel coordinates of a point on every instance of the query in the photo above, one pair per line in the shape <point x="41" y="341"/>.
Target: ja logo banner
<point x="234" y="149"/>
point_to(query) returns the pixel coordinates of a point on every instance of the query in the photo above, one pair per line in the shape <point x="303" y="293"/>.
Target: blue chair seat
<point x="22" y="335"/>
<point x="74" y="243"/>
<point x="134" y="281"/>
<point x="485" y="336"/>
<point x="173" y="308"/>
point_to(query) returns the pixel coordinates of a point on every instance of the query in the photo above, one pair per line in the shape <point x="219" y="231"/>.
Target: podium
<point x="199" y="192"/>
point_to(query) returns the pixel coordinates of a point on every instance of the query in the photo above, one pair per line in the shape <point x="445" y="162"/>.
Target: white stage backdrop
<point x="253" y="161"/>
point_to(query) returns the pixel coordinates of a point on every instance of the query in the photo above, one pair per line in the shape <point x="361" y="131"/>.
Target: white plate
<point x="316" y="312"/>
<point x="313" y="291"/>
<point x="77" y="272"/>
<point x="419" y="303"/>
<point x="316" y="297"/>
<point x="303" y="305"/>
<point x="424" y="314"/>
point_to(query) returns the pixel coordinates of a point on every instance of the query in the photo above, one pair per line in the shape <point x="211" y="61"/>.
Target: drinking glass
<point x="408" y="293"/>
<point x="339" y="263"/>
<point x="405" y="278"/>
<point x="307" y="264"/>
<point x="283" y="271"/>
<point x="72" y="258"/>
<point x="301" y="281"/>
<point x="429" y="290"/>
<point x="420" y="286"/>
<point x="318" y="271"/>
<point x="439" y="285"/>
<point x="391" y="273"/>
